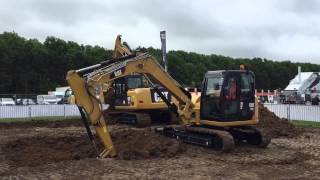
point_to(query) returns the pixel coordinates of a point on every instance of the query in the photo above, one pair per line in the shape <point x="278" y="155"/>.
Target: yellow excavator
<point x="131" y="98"/>
<point x="225" y="113"/>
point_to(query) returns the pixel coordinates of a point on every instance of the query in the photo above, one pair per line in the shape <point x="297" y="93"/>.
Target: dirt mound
<point x="142" y="143"/>
<point x="39" y="123"/>
<point x="47" y="149"/>
<point x="276" y="126"/>
<point x="130" y="144"/>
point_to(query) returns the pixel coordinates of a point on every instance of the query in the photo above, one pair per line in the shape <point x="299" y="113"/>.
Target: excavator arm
<point x="83" y="81"/>
<point x="90" y="105"/>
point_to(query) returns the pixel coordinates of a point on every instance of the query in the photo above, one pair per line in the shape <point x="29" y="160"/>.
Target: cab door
<point x="210" y="105"/>
<point x="120" y="88"/>
<point x="122" y="85"/>
<point x="247" y="96"/>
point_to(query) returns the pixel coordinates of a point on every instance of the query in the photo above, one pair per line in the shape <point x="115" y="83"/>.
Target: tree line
<point x="29" y="66"/>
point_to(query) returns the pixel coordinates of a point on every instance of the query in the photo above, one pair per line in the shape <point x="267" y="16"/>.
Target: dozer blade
<point x="217" y="139"/>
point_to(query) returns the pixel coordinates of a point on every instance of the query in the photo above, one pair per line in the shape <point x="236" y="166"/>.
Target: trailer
<point x="304" y="88"/>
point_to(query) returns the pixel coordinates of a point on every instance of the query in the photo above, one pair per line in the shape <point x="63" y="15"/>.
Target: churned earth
<point x="61" y="150"/>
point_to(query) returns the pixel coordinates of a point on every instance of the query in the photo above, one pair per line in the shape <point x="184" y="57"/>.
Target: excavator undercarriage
<point x="139" y="119"/>
<point x="217" y="138"/>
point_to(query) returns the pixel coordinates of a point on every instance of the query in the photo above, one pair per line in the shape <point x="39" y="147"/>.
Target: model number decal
<point x="117" y="73"/>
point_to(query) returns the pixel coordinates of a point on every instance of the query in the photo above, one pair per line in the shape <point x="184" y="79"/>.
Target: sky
<point x="272" y="29"/>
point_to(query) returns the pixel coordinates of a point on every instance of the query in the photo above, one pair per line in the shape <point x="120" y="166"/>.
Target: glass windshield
<point x="214" y="85"/>
<point x="134" y="82"/>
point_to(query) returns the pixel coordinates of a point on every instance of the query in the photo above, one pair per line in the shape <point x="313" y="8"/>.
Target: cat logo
<point x="156" y="98"/>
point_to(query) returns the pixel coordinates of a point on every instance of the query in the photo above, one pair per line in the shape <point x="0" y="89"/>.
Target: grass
<point x="306" y="124"/>
<point x="44" y="118"/>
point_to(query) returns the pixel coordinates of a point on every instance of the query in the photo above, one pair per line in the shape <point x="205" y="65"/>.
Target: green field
<point x="45" y="118"/>
<point x="306" y="124"/>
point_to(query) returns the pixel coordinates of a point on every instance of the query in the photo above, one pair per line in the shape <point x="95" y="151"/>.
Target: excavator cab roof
<point x="225" y="72"/>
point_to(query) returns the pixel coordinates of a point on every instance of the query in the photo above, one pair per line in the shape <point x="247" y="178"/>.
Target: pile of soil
<point x="130" y="144"/>
<point x="37" y="150"/>
<point x="143" y="143"/>
<point x="275" y="126"/>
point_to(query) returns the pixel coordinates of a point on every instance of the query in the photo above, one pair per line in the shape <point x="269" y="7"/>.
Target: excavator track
<point x="252" y="136"/>
<point x="217" y="139"/>
<point x="137" y="119"/>
<point x="143" y="120"/>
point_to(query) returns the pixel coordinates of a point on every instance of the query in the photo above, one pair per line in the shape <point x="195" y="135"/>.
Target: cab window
<point x="246" y="85"/>
<point x="214" y="87"/>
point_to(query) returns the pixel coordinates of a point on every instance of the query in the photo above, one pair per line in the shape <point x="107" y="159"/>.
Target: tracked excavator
<point x="224" y="114"/>
<point x="132" y="100"/>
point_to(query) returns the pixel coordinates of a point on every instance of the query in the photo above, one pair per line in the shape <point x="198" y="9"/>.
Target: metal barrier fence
<point x="30" y="111"/>
<point x="295" y="112"/>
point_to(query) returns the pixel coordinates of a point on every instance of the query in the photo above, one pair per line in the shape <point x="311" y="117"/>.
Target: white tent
<point x="301" y="81"/>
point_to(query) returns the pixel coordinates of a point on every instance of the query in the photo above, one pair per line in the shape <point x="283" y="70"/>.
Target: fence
<point x="291" y="112"/>
<point x="30" y="111"/>
<point x="295" y="112"/>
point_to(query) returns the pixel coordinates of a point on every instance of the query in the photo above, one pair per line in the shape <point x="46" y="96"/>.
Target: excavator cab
<point x="122" y="85"/>
<point x="227" y="96"/>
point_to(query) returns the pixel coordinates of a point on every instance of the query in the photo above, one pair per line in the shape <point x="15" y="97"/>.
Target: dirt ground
<point x="58" y="150"/>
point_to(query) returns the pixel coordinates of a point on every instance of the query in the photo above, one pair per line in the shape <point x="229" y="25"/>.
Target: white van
<point x="47" y="99"/>
<point x="7" y="102"/>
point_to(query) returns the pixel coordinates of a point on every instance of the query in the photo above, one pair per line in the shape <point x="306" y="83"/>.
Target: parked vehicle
<point x="7" y="102"/>
<point x="47" y="99"/>
<point x="68" y="97"/>
<point x="26" y="101"/>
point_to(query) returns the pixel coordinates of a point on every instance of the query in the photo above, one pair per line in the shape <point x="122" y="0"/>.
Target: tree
<point x="29" y="66"/>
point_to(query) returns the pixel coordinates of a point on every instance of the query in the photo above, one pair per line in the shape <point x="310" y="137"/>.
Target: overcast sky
<point x="274" y="29"/>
